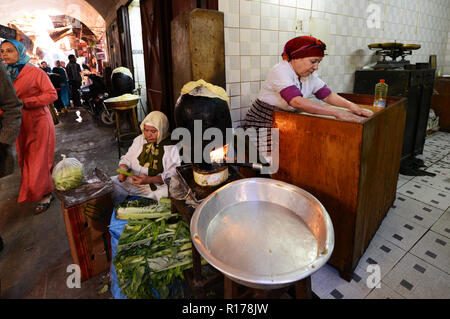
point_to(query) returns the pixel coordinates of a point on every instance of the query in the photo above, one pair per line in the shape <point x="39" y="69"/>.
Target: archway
<point x="61" y="27"/>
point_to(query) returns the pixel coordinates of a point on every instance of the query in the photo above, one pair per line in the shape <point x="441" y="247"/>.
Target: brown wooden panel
<point x="156" y="17"/>
<point x="208" y="57"/>
<point x="123" y="25"/>
<point x="150" y="39"/>
<point x="181" y="6"/>
<point x="352" y="169"/>
<point x="321" y="156"/>
<point x="88" y="235"/>
<point x="198" y="49"/>
<point x="440" y="102"/>
<point x="380" y="164"/>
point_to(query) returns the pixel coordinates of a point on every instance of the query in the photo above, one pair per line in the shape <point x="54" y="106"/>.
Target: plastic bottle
<point x="381" y="89"/>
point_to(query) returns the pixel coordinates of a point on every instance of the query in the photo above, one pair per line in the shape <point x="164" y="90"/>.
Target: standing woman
<point x="291" y="82"/>
<point x="36" y="142"/>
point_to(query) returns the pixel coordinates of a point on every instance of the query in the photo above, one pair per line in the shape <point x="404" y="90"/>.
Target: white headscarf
<point x="158" y="120"/>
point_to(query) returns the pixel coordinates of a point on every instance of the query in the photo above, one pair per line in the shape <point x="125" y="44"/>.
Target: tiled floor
<point x="410" y="252"/>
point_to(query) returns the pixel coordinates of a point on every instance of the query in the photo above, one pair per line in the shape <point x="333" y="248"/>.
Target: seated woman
<point x="151" y="157"/>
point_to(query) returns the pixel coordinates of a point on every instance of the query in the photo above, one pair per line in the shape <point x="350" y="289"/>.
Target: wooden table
<point x="88" y="235"/>
<point x="352" y="169"/>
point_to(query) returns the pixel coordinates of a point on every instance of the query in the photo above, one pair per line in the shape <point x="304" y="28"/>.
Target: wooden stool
<point x="126" y="137"/>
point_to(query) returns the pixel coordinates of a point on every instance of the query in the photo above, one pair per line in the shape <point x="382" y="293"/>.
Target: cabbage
<point x="68" y="174"/>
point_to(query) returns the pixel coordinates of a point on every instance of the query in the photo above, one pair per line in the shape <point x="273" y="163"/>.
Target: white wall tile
<point x="269" y="16"/>
<point x="304" y="4"/>
<point x="288" y="17"/>
<point x="271" y="1"/>
<point x="249" y="14"/>
<point x="290" y="3"/>
<point x="269" y="42"/>
<point x="251" y="27"/>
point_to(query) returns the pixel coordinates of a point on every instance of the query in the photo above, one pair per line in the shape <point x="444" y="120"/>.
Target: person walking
<point x="36" y="142"/>
<point x="74" y="74"/>
<point x="63" y="92"/>
<point x="10" y="120"/>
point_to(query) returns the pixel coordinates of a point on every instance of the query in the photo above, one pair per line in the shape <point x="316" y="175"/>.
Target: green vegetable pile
<point x="153" y="251"/>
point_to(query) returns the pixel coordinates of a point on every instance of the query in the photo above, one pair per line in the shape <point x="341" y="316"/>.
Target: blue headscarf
<point x="14" y="69"/>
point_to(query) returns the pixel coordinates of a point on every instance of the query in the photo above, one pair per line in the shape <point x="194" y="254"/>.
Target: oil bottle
<point x="381" y="89"/>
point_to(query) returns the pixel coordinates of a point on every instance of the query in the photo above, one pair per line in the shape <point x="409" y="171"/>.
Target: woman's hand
<point x="122" y="177"/>
<point x="141" y="179"/>
<point x="349" y="116"/>
<point x="145" y="179"/>
<point x="359" y="111"/>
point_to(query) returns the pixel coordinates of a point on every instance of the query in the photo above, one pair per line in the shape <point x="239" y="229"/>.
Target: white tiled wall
<point x="256" y="31"/>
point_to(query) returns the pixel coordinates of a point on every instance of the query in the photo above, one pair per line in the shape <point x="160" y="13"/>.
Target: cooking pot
<point x="263" y="233"/>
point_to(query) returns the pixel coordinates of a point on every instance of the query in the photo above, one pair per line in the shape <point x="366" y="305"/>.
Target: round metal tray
<point x="411" y="46"/>
<point x="263" y="233"/>
<point x="121" y="104"/>
<point x="385" y="45"/>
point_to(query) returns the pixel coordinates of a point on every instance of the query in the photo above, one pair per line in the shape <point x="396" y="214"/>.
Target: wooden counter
<point x="352" y="169"/>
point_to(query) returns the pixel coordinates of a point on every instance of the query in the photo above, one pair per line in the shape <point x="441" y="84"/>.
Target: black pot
<point x="213" y="112"/>
<point x="121" y="84"/>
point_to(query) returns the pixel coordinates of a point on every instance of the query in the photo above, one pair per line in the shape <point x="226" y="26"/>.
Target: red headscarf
<point x="302" y="47"/>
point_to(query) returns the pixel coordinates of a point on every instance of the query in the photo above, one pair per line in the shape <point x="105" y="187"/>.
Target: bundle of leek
<point x="153" y="210"/>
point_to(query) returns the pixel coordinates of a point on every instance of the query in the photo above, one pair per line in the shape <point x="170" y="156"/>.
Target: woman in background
<point x="36" y="142"/>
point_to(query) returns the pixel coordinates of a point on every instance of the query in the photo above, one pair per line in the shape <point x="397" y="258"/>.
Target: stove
<point x="186" y="174"/>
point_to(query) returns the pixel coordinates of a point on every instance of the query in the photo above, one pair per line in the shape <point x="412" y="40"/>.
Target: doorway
<point x="134" y="13"/>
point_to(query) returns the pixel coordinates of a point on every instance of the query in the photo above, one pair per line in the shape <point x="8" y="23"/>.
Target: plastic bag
<point x="68" y="173"/>
<point x="95" y="185"/>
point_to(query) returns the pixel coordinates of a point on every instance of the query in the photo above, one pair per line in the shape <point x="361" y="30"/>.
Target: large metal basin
<point x="263" y="233"/>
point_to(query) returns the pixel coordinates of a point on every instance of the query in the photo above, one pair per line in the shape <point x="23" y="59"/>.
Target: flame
<point x="218" y="155"/>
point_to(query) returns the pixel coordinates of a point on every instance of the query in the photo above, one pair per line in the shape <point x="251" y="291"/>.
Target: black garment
<point x="56" y="81"/>
<point x="59" y="105"/>
<point x="46" y="69"/>
<point x="6" y="160"/>
<point x="74" y="72"/>
<point x="75" y="93"/>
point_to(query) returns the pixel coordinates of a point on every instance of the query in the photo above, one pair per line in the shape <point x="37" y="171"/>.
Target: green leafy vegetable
<point x="153" y="251"/>
<point x="68" y="178"/>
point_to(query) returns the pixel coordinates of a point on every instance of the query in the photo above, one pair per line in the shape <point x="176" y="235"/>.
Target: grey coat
<point x="10" y="121"/>
<point x="11" y="106"/>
